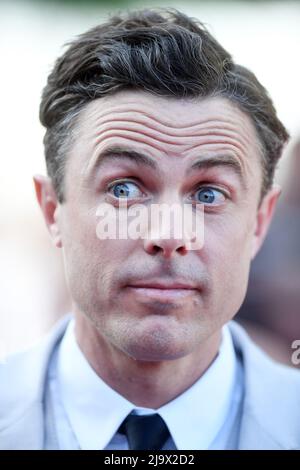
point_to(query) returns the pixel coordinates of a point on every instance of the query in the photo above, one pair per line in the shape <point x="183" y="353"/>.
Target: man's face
<point x="173" y="134"/>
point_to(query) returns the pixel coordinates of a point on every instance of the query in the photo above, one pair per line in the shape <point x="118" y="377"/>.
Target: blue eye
<point x="210" y="196"/>
<point x="122" y="190"/>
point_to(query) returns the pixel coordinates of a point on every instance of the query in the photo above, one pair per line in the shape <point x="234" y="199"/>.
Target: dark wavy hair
<point x="161" y="51"/>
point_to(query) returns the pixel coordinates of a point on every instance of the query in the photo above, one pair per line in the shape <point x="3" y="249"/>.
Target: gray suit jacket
<point x="270" y="414"/>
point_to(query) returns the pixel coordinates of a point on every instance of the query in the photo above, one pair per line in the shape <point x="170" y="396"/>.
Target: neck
<point x="145" y="384"/>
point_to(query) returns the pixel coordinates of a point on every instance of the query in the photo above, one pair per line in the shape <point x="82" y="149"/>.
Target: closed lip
<point x="163" y="285"/>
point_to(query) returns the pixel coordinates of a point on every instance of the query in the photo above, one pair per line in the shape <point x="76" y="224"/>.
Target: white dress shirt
<point x="88" y="412"/>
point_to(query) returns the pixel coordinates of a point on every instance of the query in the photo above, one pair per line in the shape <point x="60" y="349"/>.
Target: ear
<point x="264" y="217"/>
<point x="50" y="206"/>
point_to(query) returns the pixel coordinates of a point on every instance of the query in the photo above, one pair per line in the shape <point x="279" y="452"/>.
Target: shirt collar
<point x="89" y="401"/>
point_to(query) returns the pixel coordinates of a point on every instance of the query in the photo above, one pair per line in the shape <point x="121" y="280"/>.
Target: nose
<point x="170" y="230"/>
<point x="164" y="236"/>
<point x="167" y="247"/>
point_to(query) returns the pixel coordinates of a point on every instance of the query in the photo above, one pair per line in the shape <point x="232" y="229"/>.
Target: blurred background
<point x="262" y="35"/>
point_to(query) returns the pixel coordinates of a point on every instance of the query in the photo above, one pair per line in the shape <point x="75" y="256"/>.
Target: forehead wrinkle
<point x="146" y="115"/>
<point x="212" y="126"/>
<point x="153" y="122"/>
<point x="164" y="145"/>
<point x="203" y="131"/>
<point x="145" y="134"/>
<point x="231" y="119"/>
<point x="152" y="132"/>
<point x="167" y="146"/>
<point x="180" y="133"/>
<point x="117" y="110"/>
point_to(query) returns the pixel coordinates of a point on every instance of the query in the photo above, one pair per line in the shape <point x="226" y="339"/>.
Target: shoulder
<point x="271" y="392"/>
<point x="22" y="375"/>
<point x="256" y="361"/>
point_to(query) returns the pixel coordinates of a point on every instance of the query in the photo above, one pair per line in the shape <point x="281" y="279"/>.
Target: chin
<point x="154" y="355"/>
<point x="157" y="345"/>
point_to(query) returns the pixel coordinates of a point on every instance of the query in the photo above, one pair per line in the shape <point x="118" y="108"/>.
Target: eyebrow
<point x="205" y="162"/>
<point x="112" y="153"/>
<point x="224" y="160"/>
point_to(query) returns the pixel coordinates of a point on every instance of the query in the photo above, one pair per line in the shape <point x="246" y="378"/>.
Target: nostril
<point x="182" y="250"/>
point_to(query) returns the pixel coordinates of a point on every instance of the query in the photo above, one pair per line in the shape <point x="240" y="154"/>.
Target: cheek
<point x="91" y="263"/>
<point x="227" y="252"/>
<point x="82" y="250"/>
<point x="229" y="237"/>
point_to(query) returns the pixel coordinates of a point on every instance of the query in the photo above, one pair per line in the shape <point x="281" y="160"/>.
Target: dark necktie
<point x="144" y="432"/>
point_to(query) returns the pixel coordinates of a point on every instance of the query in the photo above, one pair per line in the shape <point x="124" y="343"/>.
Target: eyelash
<point x="197" y="188"/>
<point x="124" y="181"/>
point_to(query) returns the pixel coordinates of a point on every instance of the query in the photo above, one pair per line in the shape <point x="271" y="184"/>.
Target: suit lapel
<point x="27" y="433"/>
<point x="23" y="394"/>
<point x="268" y="418"/>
